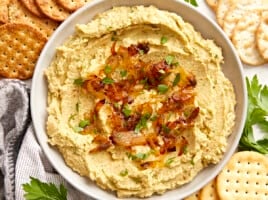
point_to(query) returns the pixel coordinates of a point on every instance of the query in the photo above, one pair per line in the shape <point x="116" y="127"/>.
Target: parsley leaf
<point x="142" y="122"/>
<point x="193" y="2"/>
<point x="107" y="69"/>
<point x="126" y="110"/>
<point x="177" y="79"/>
<point x="46" y="191"/>
<point x="169" y="59"/>
<point x="107" y="80"/>
<point x="83" y="123"/>
<point x="163" y="40"/>
<point x="78" y="81"/>
<point x="256" y="115"/>
<point x="162" y="88"/>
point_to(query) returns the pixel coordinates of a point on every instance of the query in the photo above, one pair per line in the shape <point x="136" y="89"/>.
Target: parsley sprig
<point x="193" y="2"/>
<point x="36" y="190"/>
<point x="256" y="116"/>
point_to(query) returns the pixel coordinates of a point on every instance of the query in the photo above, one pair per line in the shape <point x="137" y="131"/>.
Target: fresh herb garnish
<point x="162" y="88"/>
<point x="77" y="129"/>
<point x="123" y="73"/>
<point x="126" y="110"/>
<point x="177" y="79"/>
<point x="138" y="156"/>
<point x="169" y="161"/>
<point x="163" y="40"/>
<point x="193" y="2"/>
<point x="166" y="129"/>
<point x="142" y="122"/>
<point x="169" y="59"/>
<point x="124" y="172"/>
<point x="107" y="80"/>
<point x="107" y="69"/>
<point x="77" y="106"/>
<point x="46" y="191"/>
<point x="78" y="81"/>
<point x="256" y="115"/>
<point x="83" y="123"/>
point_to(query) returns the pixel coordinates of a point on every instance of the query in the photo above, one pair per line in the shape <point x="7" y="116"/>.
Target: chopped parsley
<point x="162" y="88"/>
<point x="107" y="80"/>
<point x="124" y="172"/>
<point x="138" y="156"/>
<point x="83" y="123"/>
<point x="177" y="79"/>
<point x="166" y="129"/>
<point x="126" y="111"/>
<point x="169" y="59"/>
<point x="163" y="40"/>
<point x="77" y="106"/>
<point x="142" y="122"/>
<point x="107" y="69"/>
<point x="78" y="81"/>
<point x="123" y="73"/>
<point x="169" y="161"/>
<point x="77" y="129"/>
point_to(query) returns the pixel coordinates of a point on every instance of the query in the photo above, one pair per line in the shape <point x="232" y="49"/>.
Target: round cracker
<point x="213" y="4"/>
<point x="244" y="38"/>
<point x="72" y="5"/>
<point x="244" y="177"/>
<point x="262" y="35"/>
<point x="222" y="8"/>
<point x="19" y="14"/>
<point x="194" y="196"/>
<point x="20" y="46"/>
<point x="209" y="192"/>
<point x="31" y="6"/>
<point x="53" y="10"/>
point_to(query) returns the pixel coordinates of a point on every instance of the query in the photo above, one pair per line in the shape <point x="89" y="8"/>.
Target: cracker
<point x="31" y="6"/>
<point x="53" y="10"/>
<point x="262" y="35"/>
<point x="244" y="177"/>
<point x="236" y="12"/>
<point x="4" y="11"/>
<point x="213" y="4"/>
<point x="209" y="192"/>
<point x="244" y="38"/>
<point x="194" y="196"/>
<point x="72" y="5"/>
<point x="222" y="8"/>
<point x="19" y="14"/>
<point x="20" y="46"/>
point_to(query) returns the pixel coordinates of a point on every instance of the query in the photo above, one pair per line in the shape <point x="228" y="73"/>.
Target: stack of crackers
<point x="244" y="177"/>
<point x="25" y="26"/>
<point x="246" y="23"/>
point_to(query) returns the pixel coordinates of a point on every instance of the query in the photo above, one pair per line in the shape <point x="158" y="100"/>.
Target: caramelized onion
<point x="128" y="138"/>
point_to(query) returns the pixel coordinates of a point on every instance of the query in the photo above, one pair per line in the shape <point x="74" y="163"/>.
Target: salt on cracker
<point x="244" y="38"/>
<point x="72" y="5"/>
<point x="20" y="46"/>
<point x="222" y="8"/>
<point x="194" y="196"/>
<point x="244" y="177"/>
<point x="31" y="6"/>
<point x="19" y="14"/>
<point x="53" y="10"/>
<point x="4" y="11"/>
<point x="213" y="4"/>
<point x="262" y="35"/>
<point x="209" y="192"/>
<point x="236" y="12"/>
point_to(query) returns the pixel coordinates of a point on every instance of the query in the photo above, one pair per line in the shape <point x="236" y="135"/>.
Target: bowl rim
<point x="38" y="88"/>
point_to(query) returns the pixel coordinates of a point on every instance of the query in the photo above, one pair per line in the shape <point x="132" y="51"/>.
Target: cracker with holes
<point x="19" y="14"/>
<point x="53" y="10"/>
<point x="31" y="6"/>
<point x="72" y="5"/>
<point x="262" y="35"/>
<point x="222" y="8"/>
<point x="209" y="192"/>
<point x="20" y="46"/>
<point x="4" y="11"/>
<point x="244" y="177"/>
<point x="194" y="196"/>
<point x="244" y="38"/>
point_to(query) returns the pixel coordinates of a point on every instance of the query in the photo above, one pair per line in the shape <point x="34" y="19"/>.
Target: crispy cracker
<point x="19" y="14"/>
<point x="213" y="4"/>
<point x="4" y="11"/>
<point x="20" y="46"/>
<point x="194" y="196"/>
<point x="236" y="12"/>
<point x="262" y="35"/>
<point x="53" y="10"/>
<point x="244" y="177"/>
<point x="222" y="8"/>
<point x="244" y="38"/>
<point x="72" y="5"/>
<point x="31" y="6"/>
<point x="209" y="192"/>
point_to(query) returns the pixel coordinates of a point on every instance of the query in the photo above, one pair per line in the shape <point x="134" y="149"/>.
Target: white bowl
<point x="232" y="68"/>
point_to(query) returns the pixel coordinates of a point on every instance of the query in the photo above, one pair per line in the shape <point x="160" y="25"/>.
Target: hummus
<point x="137" y="101"/>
